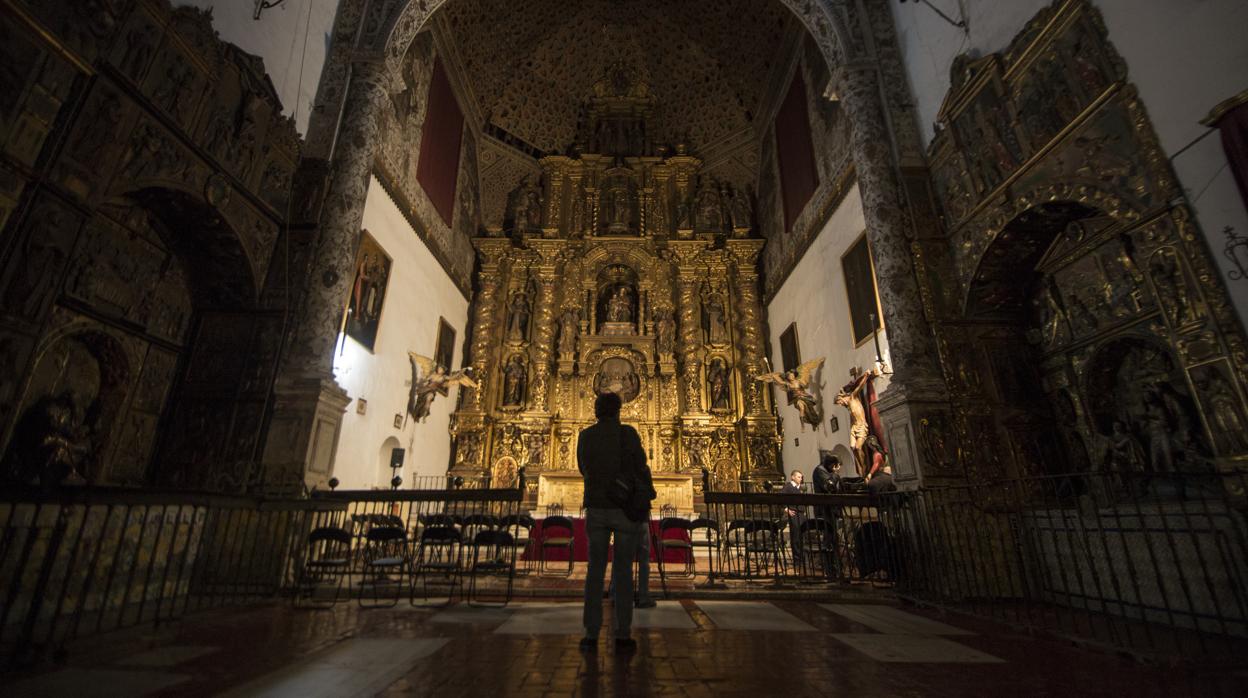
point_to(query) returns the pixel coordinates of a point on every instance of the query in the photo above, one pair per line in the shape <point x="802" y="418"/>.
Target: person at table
<point x="795" y="514"/>
<point x="604" y="452"/>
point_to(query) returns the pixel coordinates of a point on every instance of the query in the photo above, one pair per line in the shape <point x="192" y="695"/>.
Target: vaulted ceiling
<point x="530" y="65"/>
<point x="527" y="66"/>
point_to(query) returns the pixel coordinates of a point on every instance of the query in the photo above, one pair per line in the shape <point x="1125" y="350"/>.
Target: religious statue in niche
<point x="796" y="384"/>
<point x="1172" y="287"/>
<point x="617" y="375"/>
<point x="535" y="453"/>
<point x="518" y="319"/>
<point x="866" y="436"/>
<point x="719" y="385"/>
<point x="741" y="215"/>
<point x="714" y="320"/>
<point x="616" y="209"/>
<point x="1222" y="409"/>
<point x="51" y="443"/>
<point x="430" y="379"/>
<point x="526" y="206"/>
<point x="515" y="381"/>
<point x="665" y="341"/>
<point x="620" y="304"/>
<point x="368" y="292"/>
<point x="710" y="214"/>
<point x="569" y="329"/>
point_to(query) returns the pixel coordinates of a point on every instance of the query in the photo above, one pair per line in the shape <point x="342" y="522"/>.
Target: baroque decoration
<point x="619" y="271"/>
<point x="137" y="284"/>
<point x="1089" y="330"/>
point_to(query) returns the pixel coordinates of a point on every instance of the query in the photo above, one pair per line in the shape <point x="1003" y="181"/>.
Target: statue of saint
<point x="716" y="327"/>
<point x="518" y="323"/>
<point x="430" y="380"/>
<point x="619" y="208"/>
<point x="569" y="325"/>
<point x="709" y="217"/>
<point x="665" y="342"/>
<point x="853" y="397"/>
<point x="620" y="305"/>
<point x="1227" y="417"/>
<point x="515" y="378"/>
<point x="741" y="211"/>
<point x="717" y="378"/>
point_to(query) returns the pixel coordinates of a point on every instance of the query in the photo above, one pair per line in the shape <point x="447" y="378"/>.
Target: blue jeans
<point x="599" y="525"/>
<point x="643" y="562"/>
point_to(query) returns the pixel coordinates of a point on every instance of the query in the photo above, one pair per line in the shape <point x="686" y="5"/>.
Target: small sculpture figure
<point x="429" y="380"/>
<point x="620" y="305"/>
<point x="568" y="329"/>
<point x="853" y="398"/>
<point x="716" y="327"/>
<point x="515" y="378"/>
<point x="666" y="331"/>
<point x="796" y="384"/>
<point x="518" y="323"/>
<point x="717" y="378"/>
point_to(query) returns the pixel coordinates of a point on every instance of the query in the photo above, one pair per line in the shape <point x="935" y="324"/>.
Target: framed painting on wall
<point x="864" y="303"/>
<point x="444" y="354"/>
<point x="368" y="292"/>
<point x="790" y="357"/>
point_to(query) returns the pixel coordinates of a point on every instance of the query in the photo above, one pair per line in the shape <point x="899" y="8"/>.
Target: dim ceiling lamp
<point x="262" y="5"/>
<point x="960" y="24"/>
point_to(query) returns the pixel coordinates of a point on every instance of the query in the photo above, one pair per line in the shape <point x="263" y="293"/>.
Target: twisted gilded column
<point x="752" y="345"/>
<point x="543" y="340"/>
<point x="688" y="307"/>
<point x="485" y="320"/>
<point x="910" y="344"/>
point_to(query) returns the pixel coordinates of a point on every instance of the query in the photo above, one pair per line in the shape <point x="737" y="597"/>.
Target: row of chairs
<point x="390" y="564"/>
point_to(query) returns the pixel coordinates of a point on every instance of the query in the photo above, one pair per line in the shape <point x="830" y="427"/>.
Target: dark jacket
<point x="602" y="451"/>
<point x="825" y="481"/>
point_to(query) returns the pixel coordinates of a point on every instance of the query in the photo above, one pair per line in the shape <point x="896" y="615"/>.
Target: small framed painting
<point x="444" y="353"/>
<point x="368" y="292"/>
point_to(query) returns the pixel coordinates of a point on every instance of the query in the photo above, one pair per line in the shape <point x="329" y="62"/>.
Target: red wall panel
<point x="799" y="176"/>
<point x="438" y="168"/>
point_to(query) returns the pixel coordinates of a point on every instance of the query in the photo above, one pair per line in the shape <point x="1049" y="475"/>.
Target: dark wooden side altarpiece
<point x="145" y="172"/>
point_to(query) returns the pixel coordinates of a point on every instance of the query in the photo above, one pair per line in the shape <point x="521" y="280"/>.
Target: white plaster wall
<point x="419" y="292"/>
<point x="291" y="37"/>
<point x="814" y="297"/>
<point x="1185" y="57"/>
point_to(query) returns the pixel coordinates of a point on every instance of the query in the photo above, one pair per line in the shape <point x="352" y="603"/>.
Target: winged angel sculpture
<point x="430" y="379"/>
<point x="796" y="383"/>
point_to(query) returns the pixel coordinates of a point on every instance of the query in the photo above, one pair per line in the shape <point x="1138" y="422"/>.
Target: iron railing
<point x="77" y="562"/>
<point x="1156" y="565"/>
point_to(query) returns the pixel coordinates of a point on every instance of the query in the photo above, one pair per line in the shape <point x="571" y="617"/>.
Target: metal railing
<point x="1151" y="564"/>
<point x="779" y="539"/>
<point x="77" y="562"/>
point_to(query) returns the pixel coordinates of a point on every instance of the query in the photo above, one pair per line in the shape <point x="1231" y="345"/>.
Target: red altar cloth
<point x="580" y="544"/>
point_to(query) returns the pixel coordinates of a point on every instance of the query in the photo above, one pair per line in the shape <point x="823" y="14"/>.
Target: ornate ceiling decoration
<point x="531" y="66"/>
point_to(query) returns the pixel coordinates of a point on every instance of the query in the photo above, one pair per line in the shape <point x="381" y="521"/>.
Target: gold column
<point x="752" y="341"/>
<point x="485" y="320"/>
<point x="688" y="303"/>
<point x="541" y="347"/>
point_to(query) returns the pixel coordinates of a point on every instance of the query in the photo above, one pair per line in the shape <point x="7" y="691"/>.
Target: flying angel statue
<point x="430" y="379"/>
<point x="796" y="383"/>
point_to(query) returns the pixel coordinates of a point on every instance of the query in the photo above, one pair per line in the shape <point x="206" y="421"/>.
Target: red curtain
<point x="1234" y="127"/>
<point x="438" y="168"/>
<point x="796" y="152"/>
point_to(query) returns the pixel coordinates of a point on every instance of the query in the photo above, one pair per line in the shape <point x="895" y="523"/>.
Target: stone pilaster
<point x="916" y="388"/>
<point x="308" y="404"/>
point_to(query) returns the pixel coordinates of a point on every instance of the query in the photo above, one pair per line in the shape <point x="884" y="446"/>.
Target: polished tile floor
<point x="686" y="647"/>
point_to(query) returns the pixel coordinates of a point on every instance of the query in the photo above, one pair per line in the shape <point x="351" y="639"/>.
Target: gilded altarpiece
<point x="1072" y="244"/>
<point x="619" y="272"/>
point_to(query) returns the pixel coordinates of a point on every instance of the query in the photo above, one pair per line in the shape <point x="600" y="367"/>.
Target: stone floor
<point x="699" y="647"/>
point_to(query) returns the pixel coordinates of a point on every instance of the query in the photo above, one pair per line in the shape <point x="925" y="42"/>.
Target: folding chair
<point x="818" y="544"/>
<point x="683" y="543"/>
<point x="520" y="526"/>
<point x="560" y="541"/>
<point x="710" y="539"/>
<point x="327" y="557"/>
<point x="385" y="554"/>
<point x="493" y="554"/>
<point x="438" y="556"/>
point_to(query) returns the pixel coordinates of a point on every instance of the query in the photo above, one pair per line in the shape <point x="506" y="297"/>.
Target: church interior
<point x="929" y="315"/>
